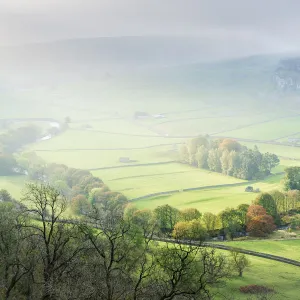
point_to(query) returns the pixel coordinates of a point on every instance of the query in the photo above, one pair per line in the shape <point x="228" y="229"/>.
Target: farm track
<point x="240" y="250"/>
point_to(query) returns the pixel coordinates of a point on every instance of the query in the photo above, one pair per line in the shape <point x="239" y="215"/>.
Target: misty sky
<point x="271" y="24"/>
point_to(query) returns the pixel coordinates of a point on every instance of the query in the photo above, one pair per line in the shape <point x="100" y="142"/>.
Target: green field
<point x="286" y="248"/>
<point x="209" y="124"/>
<point x="140" y="181"/>
<point x="283" y="278"/>
<point x="13" y="184"/>
<point x="85" y="139"/>
<point x="268" y="130"/>
<point x="92" y="159"/>
<point x="211" y="199"/>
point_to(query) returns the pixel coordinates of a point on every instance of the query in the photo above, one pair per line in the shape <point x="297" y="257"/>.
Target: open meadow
<point x="140" y="181"/>
<point x="281" y="277"/>
<point x="13" y="184"/>
<point x="211" y="199"/>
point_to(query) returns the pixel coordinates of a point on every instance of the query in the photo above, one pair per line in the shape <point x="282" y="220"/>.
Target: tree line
<point x="80" y="187"/>
<point x="13" y="139"/>
<point x="228" y="157"/>
<point x="110" y="250"/>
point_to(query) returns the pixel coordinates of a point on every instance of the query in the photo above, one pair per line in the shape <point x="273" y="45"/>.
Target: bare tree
<point x="15" y="259"/>
<point x="188" y="271"/>
<point x="56" y="240"/>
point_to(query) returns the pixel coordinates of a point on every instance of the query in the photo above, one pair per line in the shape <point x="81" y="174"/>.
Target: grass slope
<point x="212" y="199"/>
<point x="13" y="184"/>
<point x="282" y="277"/>
<point x="140" y="181"/>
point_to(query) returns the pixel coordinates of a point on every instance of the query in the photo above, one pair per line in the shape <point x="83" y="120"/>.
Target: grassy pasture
<point x="91" y="159"/>
<point x="281" y="277"/>
<point x="124" y="126"/>
<point x="13" y="184"/>
<point x="210" y="124"/>
<point x="267" y="131"/>
<point x="211" y="199"/>
<point x="84" y="139"/>
<point x="285" y="248"/>
<point x="139" y="181"/>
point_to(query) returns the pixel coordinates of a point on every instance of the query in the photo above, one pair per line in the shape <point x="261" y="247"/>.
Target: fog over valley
<point x="149" y="150"/>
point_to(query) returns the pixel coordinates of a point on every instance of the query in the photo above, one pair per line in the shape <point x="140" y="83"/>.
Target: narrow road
<point x="212" y="245"/>
<point x="229" y="248"/>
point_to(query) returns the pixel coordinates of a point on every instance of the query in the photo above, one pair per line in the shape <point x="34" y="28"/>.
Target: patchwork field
<point x="266" y="130"/>
<point x="210" y="199"/>
<point x="99" y="136"/>
<point x="139" y="181"/>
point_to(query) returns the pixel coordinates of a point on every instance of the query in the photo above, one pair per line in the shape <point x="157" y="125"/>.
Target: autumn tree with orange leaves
<point x="259" y="223"/>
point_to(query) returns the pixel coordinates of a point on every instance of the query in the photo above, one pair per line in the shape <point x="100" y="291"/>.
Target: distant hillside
<point x="180" y="60"/>
<point x="109" y="54"/>
<point x="261" y="75"/>
<point x="103" y="58"/>
<point x="141" y="70"/>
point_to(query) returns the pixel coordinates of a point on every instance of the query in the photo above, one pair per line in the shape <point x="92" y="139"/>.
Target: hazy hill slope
<point x="133" y="73"/>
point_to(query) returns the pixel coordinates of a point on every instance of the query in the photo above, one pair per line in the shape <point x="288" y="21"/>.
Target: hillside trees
<point x="190" y="230"/>
<point x="16" y="260"/>
<point x="231" y="222"/>
<point x="284" y="202"/>
<point x="56" y="241"/>
<point x="80" y="188"/>
<point x="228" y="157"/>
<point x="7" y="164"/>
<point x="292" y="178"/>
<point x="187" y="272"/>
<point x="210" y="221"/>
<point x="106" y="254"/>
<point x="114" y="247"/>
<point x="189" y="214"/>
<point x="16" y="138"/>
<point x="201" y="157"/>
<point x="166" y="216"/>
<point x="259" y="223"/>
<point x="5" y="196"/>
<point x="267" y="202"/>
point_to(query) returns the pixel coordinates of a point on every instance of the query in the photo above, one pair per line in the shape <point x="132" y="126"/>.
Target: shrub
<point x="255" y="289"/>
<point x="249" y="189"/>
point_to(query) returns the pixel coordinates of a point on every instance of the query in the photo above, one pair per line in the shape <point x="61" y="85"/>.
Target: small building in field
<point x="141" y="115"/>
<point x="159" y="116"/>
<point x="124" y="159"/>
